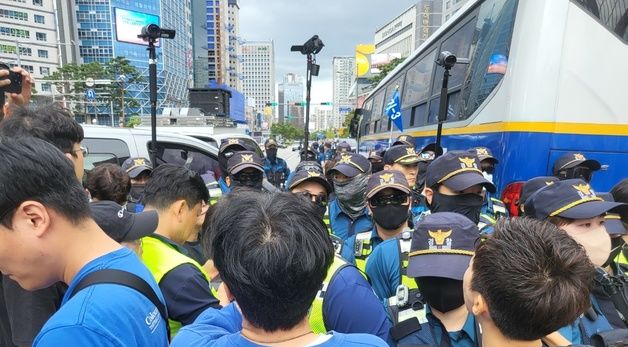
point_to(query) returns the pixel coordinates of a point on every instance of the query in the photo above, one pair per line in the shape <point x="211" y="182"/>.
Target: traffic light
<point x="328" y="103"/>
<point x="272" y="103"/>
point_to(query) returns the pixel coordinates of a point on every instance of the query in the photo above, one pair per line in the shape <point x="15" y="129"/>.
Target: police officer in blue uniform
<point x="530" y="187"/>
<point x="245" y="170"/>
<point x="276" y="168"/>
<point x="348" y="212"/>
<point x="139" y="170"/>
<point x="575" y="165"/>
<point x="228" y="147"/>
<point x="493" y="208"/>
<point x="403" y="158"/>
<point x="442" y="247"/>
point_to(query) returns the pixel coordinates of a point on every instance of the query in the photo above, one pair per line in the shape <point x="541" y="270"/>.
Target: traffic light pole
<point x="308" y="87"/>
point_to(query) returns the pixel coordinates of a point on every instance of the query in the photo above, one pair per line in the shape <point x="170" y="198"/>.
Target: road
<point x="292" y="158"/>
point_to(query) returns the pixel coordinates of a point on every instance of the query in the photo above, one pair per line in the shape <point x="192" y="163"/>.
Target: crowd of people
<point x="400" y="248"/>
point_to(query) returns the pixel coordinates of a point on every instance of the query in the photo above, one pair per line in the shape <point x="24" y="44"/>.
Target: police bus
<point x="544" y="77"/>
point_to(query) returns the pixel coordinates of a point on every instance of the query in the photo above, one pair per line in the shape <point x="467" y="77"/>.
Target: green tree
<point x="385" y="70"/>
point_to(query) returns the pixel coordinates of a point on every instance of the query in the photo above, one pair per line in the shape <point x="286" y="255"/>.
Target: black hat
<point x="573" y="199"/>
<point x="431" y="149"/>
<point x="405" y="140"/>
<point x="233" y="142"/>
<point x="351" y="164"/>
<point x="270" y="143"/>
<point x="343" y="147"/>
<point x="309" y="174"/>
<point x="376" y="155"/>
<point x="244" y="159"/>
<point x="135" y="166"/>
<point x="483" y="154"/>
<point x="612" y="221"/>
<point x="402" y="154"/>
<point x="309" y="154"/>
<point x="442" y="246"/>
<point x="386" y="179"/>
<point x="309" y="165"/>
<point x="457" y="170"/>
<point x="571" y="160"/>
<point x="122" y="225"/>
<point x="534" y="184"/>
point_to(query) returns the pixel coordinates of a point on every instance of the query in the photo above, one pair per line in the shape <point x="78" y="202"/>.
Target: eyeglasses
<point x="319" y="199"/>
<point x="82" y="150"/>
<point x="582" y="172"/>
<point x="380" y="200"/>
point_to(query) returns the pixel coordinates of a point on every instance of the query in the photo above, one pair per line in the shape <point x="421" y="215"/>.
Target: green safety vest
<point x="214" y="195"/>
<point x="160" y="257"/>
<point x="363" y="249"/>
<point x="316" y="318"/>
<point x="405" y="241"/>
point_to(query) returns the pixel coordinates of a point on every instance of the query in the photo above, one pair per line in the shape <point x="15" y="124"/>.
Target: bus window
<point x="613" y="14"/>
<point x="378" y="104"/>
<point x="489" y="60"/>
<point x="459" y="44"/>
<point x="417" y="85"/>
<point x="419" y="115"/>
<point x="453" y="106"/>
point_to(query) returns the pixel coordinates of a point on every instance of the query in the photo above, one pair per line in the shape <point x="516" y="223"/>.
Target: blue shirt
<point x="383" y="268"/>
<point x="223" y="186"/>
<point x="343" y="226"/>
<point x="274" y="167"/>
<point x="432" y="333"/>
<point x="107" y="314"/>
<point x="348" y="247"/>
<point x="350" y="306"/>
<point x="222" y="328"/>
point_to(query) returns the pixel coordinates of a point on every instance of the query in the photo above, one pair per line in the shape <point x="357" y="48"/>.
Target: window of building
<point x="26" y="51"/>
<point x="40" y="36"/>
<point x="14" y="32"/>
<point x="45" y="87"/>
<point x="42" y="53"/>
<point x="613" y="14"/>
<point x="19" y="15"/>
<point x="44" y="70"/>
<point x="38" y="2"/>
<point x="40" y="19"/>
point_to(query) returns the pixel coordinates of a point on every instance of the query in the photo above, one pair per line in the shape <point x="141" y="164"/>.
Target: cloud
<point x="341" y="24"/>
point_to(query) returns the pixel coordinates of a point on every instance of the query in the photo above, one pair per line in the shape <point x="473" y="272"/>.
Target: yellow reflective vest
<point x="160" y="258"/>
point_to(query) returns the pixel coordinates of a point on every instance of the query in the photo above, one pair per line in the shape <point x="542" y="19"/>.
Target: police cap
<point x="244" y="159"/>
<point x="351" y="164"/>
<point x="386" y="179"/>
<point x="458" y="171"/>
<point x="571" y="160"/>
<point x="401" y="154"/>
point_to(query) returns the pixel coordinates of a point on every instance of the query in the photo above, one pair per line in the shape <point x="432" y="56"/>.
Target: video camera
<point x="16" y="81"/>
<point x="311" y="46"/>
<point x="153" y="32"/>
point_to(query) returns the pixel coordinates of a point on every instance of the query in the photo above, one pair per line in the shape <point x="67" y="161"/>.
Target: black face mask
<point x="137" y="190"/>
<point x="377" y="166"/>
<point x="390" y="217"/>
<point x="271" y="153"/>
<point x="469" y="205"/>
<point x="442" y="294"/>
<point x="251" y="181"/>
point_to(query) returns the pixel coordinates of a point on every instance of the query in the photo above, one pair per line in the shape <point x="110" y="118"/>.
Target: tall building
<point x="200" y="58"/>
<point x="258" y="72"/>
<point x="450" y="7"/>
<point x="99" y="41"/>
<point x="429" y="19"/>
<point x="320" y="117"/>
<point x="343" y="77"/>
<point x="234" y="67"/>
<point x="291" y="91"/>
<point x="28" y="37"/>
<point x="216" y="23"/>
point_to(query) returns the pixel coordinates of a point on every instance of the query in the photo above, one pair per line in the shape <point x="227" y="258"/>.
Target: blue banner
<point x="393" y="110"/>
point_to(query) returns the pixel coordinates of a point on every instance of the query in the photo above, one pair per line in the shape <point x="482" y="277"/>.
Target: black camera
<point x="14" y="77"/>
<point x="153" y="32"/>
<point x="446" y="59"/>
<point x="311" y="46"/>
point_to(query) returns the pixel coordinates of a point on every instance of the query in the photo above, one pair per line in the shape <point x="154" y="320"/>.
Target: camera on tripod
<point x="152" y="32"/>
<point x="311" y="46"/>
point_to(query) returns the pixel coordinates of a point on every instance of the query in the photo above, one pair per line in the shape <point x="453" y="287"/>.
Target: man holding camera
<point x="18" y="97"/>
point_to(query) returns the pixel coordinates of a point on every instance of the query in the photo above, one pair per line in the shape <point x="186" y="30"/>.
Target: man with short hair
<point x="178" y="195"/>
<point x="275" y="168"/>
<point x="282" y="234"/>
<point x="47" y="235"/>
<point x="348" y="212"/>
<point x="139" y="170"/>
<point x="544" y="274"/>
<point x="28" y="311"/>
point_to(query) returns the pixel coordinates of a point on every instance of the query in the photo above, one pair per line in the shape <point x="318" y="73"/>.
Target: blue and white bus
<point x="544" y="77"/>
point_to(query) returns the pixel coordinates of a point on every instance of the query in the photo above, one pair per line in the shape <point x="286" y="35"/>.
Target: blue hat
<point x="351" y="164"/>
<point x="458" y="171"/>
<point x="307" y="174"/>
<point x="484" y="153"/>
<point x="442" y="246"/>
<point x="571" y="160"/>
<point x="386" y="179"/>
<point x="573" y="199"/>
<point x="135" y="166"/>
<point x="534" y="184"/>
<point x="244" y="159"/>
<point x="612" y="221"/>
<point x="402" y="154"/>
<point x="233" y="142"/>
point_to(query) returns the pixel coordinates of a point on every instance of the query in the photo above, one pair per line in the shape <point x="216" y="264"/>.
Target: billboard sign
<point x="129" y="24"/>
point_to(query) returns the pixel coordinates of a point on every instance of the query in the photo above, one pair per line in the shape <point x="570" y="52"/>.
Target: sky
<point x="340" y="24"/>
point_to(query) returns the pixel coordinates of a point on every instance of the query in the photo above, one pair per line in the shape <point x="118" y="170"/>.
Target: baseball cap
<point x="442" y="246"/>
<point x="244" y="159"/>
<point x="386" y="179"/>
<point x="343" y="147"/>
<point x="458" y="171"/>
<point x="122" y="225"/>
<point x="571" y="160"/>
<point x="308" y="154"/>
<point x="484" y="153"/>
<point x="405" y="140"/>
<point x="135" y="166"/>
<point x="573" y="199"/>
<point x="309" y="174"/>
<point x="376" y="155"/>
<point x="309" y="165"/>
<point x="612" y="221"/>
<point x="270" y="143"/>
<point x="430" y="152"/>
<point x="534" y="184"/>
<point x="351" y="164"/>
<point x="233" y="142"/>
<point x="402" y="154"/>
